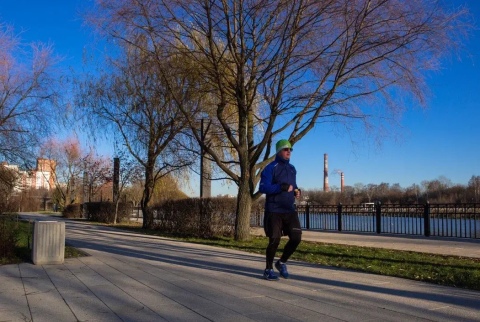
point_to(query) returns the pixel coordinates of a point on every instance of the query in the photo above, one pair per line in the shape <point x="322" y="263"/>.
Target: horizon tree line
<point x="440" y="190"/>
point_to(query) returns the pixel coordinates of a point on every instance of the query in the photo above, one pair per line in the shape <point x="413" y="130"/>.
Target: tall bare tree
<point x="8" y="181"/>
<point x="28" y="92"/>
<point x="97" y="171"/>
<point x="75" y="169"/>
<point x="474" y="187"/>
<point x="286" y="66"/>
<point x="132" y="99"/>
<point x="67" y="155"/>
<point x="129" y="173"/>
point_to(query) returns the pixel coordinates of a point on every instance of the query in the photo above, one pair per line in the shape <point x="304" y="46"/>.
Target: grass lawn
<point x="23" y="251"/>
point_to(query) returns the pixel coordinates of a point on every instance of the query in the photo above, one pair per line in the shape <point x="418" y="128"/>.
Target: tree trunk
<point x="116" y="212"/>
<point x="147" y="213"/>
<point x="147" y="196"/>
<point x="244" y="207"/>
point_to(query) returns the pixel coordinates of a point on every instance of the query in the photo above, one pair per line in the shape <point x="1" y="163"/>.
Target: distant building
<point x="42" y="177"/>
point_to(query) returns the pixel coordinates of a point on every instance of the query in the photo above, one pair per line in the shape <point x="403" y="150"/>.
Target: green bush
<point x="9" y="235"/>
<point x="7" y="205"/>
<point x="207" y="217"/>
<point x="105" y="211"/>
<point x="72" y="211"/>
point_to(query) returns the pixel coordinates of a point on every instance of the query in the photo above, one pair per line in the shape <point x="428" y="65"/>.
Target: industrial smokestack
<point x="342" y="182"/>
<point x="326" y="188"/>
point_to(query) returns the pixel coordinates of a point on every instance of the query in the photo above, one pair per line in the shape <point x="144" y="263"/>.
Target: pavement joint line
<point x="132" y="277"/>
<point x="59" y="293"/>
<point x="25" y="292"/>
<point x="252" y="297"/>
<point x="440" y="308"/>
<point x="93" y="269"/>
<point x="91" y="291"/>
<point x="195" y="281"/>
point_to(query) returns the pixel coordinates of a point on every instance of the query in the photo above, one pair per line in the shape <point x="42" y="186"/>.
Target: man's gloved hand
<point x="284" y="186"/>
<point x="298" y="193"/>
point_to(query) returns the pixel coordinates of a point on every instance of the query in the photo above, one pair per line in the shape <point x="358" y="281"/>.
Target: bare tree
<point x="129" y="172"/>
<point x="168" y="188"/>
<point x="370" y="190"/>
<point x="436" y="189"/>
<point x="474" y="187"/>
<point x="97" y="171"/>
<point x="286" y="66"/>
<point x="67" y="155"/>
<point x="8" y="181"/>
<point x="134" y="191"/>
<point x="28" y="92"/>
<point x="132" y="99"/>
<point x="412" y="193"/>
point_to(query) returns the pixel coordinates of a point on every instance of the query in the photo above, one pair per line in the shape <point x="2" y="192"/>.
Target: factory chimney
<point x="326" y="188"/>
<point x="342" y="182"/>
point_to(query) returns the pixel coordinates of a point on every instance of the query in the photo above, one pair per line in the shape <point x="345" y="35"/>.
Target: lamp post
<point x="205" y="165"/>
<point x="307" y="212"/>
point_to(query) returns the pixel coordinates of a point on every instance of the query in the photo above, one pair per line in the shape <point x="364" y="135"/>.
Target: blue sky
<point x="440" y="141"/>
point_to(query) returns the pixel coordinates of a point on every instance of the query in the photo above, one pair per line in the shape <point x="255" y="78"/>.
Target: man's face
<point x="285" y="153"/>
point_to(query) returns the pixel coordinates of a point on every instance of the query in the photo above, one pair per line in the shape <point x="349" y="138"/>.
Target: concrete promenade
<point x="131" y="277"/>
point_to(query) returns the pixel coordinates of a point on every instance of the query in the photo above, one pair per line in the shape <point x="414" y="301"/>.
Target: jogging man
<point x="278" y="182"/>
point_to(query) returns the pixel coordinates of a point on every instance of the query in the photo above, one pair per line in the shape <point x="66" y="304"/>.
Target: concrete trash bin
<point x="48" y="242"/>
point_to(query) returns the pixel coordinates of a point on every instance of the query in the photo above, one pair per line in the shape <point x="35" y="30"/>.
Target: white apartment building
<point x="42" y="177"/>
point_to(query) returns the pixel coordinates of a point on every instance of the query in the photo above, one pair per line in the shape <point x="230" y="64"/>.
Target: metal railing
<point x="443" y="220"/>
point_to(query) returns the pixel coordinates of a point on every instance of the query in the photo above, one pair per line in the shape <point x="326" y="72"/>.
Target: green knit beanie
<point x="282" y="144"/>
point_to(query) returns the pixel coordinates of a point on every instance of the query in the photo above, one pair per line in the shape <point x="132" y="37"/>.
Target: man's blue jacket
<point x="273" y="176"/>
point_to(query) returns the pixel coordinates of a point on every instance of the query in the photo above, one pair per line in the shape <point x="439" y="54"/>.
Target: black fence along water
<point x="443" y="220"/>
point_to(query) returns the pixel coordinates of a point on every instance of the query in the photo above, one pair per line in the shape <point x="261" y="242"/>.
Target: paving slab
<point x="13" y="301"/>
